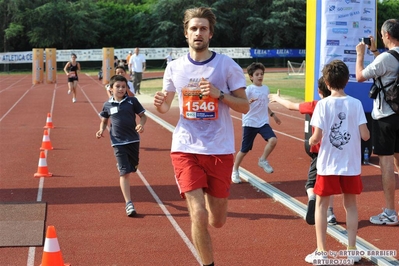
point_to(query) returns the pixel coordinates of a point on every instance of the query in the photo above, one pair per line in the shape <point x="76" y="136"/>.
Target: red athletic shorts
<point x="212" y="173"/>
<point x="327" y="185"/>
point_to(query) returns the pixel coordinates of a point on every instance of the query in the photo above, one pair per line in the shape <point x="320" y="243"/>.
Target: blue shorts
<point x="249" y="134"/>
<point x="127" y="157"/>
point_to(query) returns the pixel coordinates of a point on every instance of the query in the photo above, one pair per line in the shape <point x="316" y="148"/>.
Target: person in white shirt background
<point x="137" y="65"/>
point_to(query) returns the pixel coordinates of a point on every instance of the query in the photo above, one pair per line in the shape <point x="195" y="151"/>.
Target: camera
<point x="366" y="40"/>
<point x="374" y="90"/>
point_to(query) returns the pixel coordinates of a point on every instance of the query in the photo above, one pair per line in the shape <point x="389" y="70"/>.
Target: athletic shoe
<point x="130" y="211"/>
<point x="383" y="218"/>
<point x="265" y="165"/>
<point x="332" y="220"/>
<point x="69" y="92"/>
<point x="310" y="212"/>
<point x="74" y="100"/>
<point x="315" y="256"/>
<point x="354" y="256"/>
<point x="235" y="177"/>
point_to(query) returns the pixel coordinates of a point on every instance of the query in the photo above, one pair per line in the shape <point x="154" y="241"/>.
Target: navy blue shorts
<point x="127" y="157"/>
<point x="249" y="134"/>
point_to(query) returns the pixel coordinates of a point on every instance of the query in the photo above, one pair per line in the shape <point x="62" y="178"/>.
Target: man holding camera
<point x="385" y="131"/>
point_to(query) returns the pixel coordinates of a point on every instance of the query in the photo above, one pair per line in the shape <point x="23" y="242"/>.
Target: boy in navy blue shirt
<point x="124" y="132"/>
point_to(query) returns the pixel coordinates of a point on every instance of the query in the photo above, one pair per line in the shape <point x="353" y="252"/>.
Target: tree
<point x="64" y="24"/>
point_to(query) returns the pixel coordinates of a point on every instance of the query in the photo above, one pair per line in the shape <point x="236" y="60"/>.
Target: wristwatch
<point x="221" y="96"/>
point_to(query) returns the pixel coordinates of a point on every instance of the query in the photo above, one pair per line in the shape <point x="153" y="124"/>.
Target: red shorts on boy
<point x="212" y="173"/>
<point x="327" y="185"/>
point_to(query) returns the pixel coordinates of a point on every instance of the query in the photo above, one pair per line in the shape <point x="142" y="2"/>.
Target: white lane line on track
<point x="32" y="250"/>
<point x="337" y="231"/>
<point x="12" y="107"/>
<point x="168" y="215"/>
<point x="9" y="87"/>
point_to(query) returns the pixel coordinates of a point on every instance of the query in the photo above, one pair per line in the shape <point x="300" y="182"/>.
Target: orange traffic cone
<point x="46" y="143"/>
<point x="42" y="169"/>
<point x="51" y="252"/>
<point x="49" y="122"/>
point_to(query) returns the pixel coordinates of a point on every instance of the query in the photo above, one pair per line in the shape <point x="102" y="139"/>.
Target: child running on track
<point x="256" y="121"/>
<point x="72" y="69"/>
<point x="339" y="124"/>
<point x="124" y="133"/>
<point x="308" y="108"/>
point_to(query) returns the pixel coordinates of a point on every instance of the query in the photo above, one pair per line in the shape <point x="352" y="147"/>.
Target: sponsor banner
<point x="97" y="54"/>
<point x="344" y="24"/>
<point x="258" y="53"/>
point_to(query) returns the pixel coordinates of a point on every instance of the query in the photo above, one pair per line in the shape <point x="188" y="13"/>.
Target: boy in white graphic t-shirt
<point x="339" y="124"/>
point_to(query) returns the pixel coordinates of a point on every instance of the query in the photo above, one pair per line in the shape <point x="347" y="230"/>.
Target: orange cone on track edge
<point x="46" y="143"/>
<point x="42" y="169"/>
<point x="51" y="252"/>
<point x="49" y="121"/>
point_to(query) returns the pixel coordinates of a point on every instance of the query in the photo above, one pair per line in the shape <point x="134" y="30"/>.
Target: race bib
<point x="198" y="107"/>
<point x="113" y="110"/>
<point x="72" y="74"/>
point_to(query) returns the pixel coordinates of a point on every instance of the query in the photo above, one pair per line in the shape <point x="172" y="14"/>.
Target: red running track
<point x="86" y="206"/>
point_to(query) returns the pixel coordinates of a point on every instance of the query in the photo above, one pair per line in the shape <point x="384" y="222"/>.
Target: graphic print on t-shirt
<point x="197" y="106"/>
<point x="337" y="137"/>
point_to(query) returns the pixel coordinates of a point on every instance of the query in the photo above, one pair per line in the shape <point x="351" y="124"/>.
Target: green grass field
<point x="290" y="86"/>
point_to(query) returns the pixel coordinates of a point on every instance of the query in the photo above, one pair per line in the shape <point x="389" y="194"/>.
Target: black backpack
<point x="391" y="95"/>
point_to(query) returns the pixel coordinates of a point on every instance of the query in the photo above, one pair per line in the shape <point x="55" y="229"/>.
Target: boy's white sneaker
<point x="235" y="177"/>
<point x="265" y="165"/>
<point x="316" y="257"/>
<point x="74" y="100"/>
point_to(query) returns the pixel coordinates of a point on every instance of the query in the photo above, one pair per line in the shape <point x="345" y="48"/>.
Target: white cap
<point x="130" y="52"/>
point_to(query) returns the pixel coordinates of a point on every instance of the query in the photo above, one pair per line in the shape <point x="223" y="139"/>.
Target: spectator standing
<point x="385" y="136"/>
<point x="137" y="65"/>
<point x="169" y="58"/>
<point x="127" y="65"/>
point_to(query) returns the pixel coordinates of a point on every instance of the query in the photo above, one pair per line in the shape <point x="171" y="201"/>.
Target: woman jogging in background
<point x="71" y="69"/>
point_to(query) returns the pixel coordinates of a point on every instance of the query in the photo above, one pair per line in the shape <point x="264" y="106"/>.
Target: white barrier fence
<point x="97" y="55"/>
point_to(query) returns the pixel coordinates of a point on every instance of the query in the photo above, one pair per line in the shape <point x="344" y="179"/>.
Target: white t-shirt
<point x="211" y="137"/>
<point x="136" y="62"/>
<point x="385" y="66"/>
<point x="258" y="110"/>
<point x="339" y="118"/>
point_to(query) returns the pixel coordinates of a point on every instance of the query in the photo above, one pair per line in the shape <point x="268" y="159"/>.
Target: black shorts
<point x="312" y="173"/>
<point x="385" y="136"/>
<point x="127" y="157"/>
<point x="73" y="79"/>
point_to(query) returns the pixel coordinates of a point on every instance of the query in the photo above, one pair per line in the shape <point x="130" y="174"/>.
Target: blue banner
<point x="272" y="53"/>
